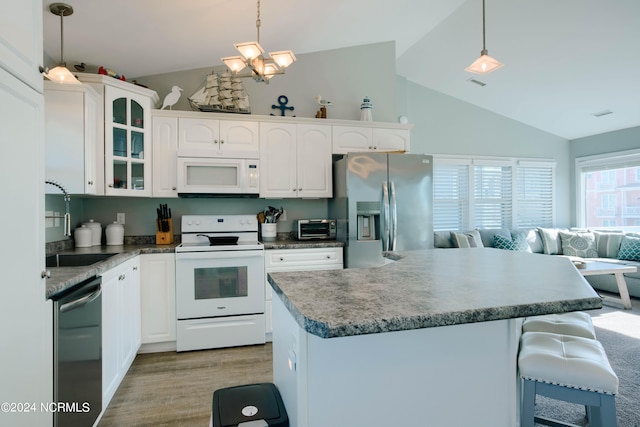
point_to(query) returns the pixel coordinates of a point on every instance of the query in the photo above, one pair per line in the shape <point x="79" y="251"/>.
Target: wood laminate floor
<point x="176" y="389"/>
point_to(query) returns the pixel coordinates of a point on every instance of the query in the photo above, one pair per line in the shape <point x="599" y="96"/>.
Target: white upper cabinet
<point x="201" y="137"/>
<point x="165" y="149"/>
<point x="21" y="41"/>
<point x="295" y="160"/>
<point x="70" y="137"/>
<point x="348" y="139"/>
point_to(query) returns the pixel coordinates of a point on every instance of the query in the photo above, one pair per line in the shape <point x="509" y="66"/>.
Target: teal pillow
<point x="629" y="249"/>
<point x="518" y="243"/>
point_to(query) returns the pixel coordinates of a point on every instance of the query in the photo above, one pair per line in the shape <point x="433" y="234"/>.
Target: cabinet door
<point x="111" y="325"/>
<point x="198" y="137"/>
<point x="21" y="40"/>
<point x="70" y="137"/>
<point x="158" y="296"/>
<point x="165" y="151"/>
<point x="278" y="160"/>
<point x="239" y="139"/>
<point x="391" y="139"/>
<point x="128" y="149"/>
<point x="27" y="349"/>
<point x="314" y="176"/>
<point x="130" y="315"/>
<point x="347" y="139"/>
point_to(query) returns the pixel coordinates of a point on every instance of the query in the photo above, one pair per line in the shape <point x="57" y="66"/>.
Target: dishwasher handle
<point x="80" y="302"/>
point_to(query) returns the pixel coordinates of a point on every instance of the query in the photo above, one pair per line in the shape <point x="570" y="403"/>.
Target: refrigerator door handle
<point x="384" y="236"/>
<point x="394" y="216"/>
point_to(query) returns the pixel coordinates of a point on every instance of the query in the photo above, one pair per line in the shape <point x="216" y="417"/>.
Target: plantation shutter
<point x="492" y="195"/>
<point x="450" y="196"/>
<point x="534" y="188"/>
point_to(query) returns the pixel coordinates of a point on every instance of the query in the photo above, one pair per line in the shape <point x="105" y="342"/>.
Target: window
<point x="492" y="193"/>
<point x="609" y="190"/>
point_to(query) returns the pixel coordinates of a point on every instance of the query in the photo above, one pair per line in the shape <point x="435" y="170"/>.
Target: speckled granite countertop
<point x="302" y="244"/>
<point x="432" y="288"/>
<point x="63" y="278"/>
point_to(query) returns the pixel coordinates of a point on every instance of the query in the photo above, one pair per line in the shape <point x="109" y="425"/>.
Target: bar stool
<point x="568" y="368"/>
<point x="576" y="323"/>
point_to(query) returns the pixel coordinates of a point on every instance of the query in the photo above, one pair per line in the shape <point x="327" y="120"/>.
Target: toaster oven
<point x="311" y="229"/>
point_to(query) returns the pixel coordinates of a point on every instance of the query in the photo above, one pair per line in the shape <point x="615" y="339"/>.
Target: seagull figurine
<point x="172" y="97"/>
<point x="323" y="102"/>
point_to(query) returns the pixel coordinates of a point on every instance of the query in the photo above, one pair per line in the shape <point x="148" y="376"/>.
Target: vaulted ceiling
<point x="564" y="60"/>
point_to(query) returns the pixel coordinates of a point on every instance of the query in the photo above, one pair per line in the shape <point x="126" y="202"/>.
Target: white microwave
<point x="213" y="176"/>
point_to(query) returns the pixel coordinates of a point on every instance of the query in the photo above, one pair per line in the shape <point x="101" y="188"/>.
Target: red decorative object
<point x="109" y="72"/>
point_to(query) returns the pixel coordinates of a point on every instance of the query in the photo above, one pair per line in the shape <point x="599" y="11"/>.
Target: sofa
<point x="579" y="245"/>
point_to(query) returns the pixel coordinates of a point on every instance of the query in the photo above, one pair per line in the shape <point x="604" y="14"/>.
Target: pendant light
<point x="61" y="73"/>
<point x="484" y="64"/>
<point x="252" y="56"/>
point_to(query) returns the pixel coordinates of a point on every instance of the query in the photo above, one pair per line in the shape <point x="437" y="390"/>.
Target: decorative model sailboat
<point x="221" y="93"/>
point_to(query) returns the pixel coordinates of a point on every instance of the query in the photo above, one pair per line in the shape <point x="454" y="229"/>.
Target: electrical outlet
<point x="120" y="218"/>
<point x="56" y="220"/>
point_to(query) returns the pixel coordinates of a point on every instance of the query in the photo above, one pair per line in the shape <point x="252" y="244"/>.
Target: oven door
<point x="214" y="284"/>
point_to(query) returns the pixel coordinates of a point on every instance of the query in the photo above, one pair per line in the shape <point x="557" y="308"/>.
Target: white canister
<point x="96" y="232"/>
<point x="269" y="231"/>
<point x="115" y="234"/>
<point x="82" y="237"/>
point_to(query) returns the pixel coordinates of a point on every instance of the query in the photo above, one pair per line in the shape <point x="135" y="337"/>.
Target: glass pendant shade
<point x="235" y="63"/>
<point x="250" y="50"/>
<point x="484" y="64"/>
<point x="283" y="58"/>
<point x="61" y="74"/>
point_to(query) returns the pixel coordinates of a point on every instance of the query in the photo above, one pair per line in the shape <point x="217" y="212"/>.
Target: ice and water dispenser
<point x="368" y="214"/>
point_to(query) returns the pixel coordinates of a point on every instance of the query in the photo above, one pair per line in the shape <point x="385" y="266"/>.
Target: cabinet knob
<point x="90" y="182"/>
<point x="121" y="277"/>
<point x="222" y="141"/>
<point x="111" y="185"/>
<point x="281" y="259"/>
<point x="215" y="141"/>
<point x="173" y="188"/>
<point x="135" y="268"/>
<point x="45" y="274"/>
<point x="300" y="189"/>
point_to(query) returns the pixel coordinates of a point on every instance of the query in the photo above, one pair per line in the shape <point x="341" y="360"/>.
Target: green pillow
<point x="629" y="249"/>
<point x="518" y="243"/>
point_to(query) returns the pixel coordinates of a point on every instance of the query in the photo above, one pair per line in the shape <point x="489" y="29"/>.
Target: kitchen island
<point x="430" y="339"/>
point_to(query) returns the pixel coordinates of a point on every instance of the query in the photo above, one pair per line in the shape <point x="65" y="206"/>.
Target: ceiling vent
<point x="478" y="82"/>
<point x="602" y="113"/>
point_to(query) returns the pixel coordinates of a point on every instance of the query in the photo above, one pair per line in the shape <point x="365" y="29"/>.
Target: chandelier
<point x="252" y="56"/>
<point x="484" y="64"/>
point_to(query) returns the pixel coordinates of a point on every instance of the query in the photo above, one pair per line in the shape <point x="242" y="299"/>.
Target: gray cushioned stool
<point x="568" y="368"/>
<point x="576" y="323"/>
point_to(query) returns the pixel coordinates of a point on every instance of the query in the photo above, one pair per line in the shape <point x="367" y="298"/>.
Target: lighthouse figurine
<point x="365" y="110"/>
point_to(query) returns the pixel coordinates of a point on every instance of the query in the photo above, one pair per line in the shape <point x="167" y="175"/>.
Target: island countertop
<point x="431" y="288"/>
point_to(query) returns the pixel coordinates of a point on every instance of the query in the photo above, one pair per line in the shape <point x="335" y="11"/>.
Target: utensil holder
<point x="269" y="232"/>
<point x="164" y="237"/>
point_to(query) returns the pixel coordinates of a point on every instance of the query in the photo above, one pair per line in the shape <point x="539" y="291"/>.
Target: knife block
<point x="164" y="237"/>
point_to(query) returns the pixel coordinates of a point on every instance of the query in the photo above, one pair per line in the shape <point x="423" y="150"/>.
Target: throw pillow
<point x="470" y="239"/>
<point x="630" y="249"/>
<point x="578" y="243"/>
<point x="551" y="243"/>
<point x="608" y="244"/>
<point x="518" y="243"/>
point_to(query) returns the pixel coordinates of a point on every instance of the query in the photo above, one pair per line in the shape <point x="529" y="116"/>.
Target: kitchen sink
<point x="75" y="260"/>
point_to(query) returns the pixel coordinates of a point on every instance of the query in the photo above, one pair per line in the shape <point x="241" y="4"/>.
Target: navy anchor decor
<point x="282" y="100"/>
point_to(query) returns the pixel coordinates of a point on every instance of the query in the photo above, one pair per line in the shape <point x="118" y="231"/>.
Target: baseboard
<point x="157" y="347"/>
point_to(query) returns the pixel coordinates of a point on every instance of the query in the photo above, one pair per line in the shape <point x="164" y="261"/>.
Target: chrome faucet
<point x="67" y="215"/>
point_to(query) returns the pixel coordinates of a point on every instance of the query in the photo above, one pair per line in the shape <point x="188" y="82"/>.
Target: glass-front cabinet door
<point x="127" y="143"/>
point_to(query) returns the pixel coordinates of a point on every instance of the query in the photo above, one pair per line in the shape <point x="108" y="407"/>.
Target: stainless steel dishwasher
<point x="77" y="349"/>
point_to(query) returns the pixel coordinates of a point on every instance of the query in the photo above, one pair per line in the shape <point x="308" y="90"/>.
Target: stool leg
<point x="527" y="410"/>
<point x="608" y="411"/>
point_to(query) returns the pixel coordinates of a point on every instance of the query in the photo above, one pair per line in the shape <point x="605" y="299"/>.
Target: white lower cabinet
<point x="158" y="302"/>
<point x="120" y="324"/>
<point x="282" y="260"/>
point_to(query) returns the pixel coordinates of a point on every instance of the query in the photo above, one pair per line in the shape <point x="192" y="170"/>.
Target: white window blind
<point x="492" y="193"/>
<point x="534" y="189"/>
<point x="451" y="197"/>
<point x="493" y="205"/>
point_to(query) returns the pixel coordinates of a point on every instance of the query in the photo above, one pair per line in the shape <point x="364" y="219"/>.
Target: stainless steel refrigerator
<point x="382" y="202"/>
